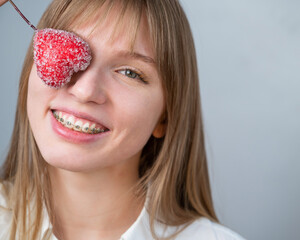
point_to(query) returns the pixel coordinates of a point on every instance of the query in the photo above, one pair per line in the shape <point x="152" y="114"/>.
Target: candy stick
<point x="21" y="14"/>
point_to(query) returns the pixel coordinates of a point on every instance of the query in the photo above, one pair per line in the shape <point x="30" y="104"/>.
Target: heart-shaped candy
<point x="58" y="54"/>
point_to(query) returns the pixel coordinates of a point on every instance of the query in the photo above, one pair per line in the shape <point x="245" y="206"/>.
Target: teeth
<point x="78" y="126"/>
<point x="85" y="127"/>
<point x="70" y="122"/>
<point x="62" y="119"/>
<point x="93" y="128"/>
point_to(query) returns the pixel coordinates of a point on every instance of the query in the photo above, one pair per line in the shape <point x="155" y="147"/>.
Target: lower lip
<point x="71" y="135"/>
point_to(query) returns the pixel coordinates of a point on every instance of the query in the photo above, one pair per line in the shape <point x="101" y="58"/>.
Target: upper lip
<point x="80" y="115"/>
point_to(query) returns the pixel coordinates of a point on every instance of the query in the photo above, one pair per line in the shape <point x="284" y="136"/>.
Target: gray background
<point x="249" y="64"/>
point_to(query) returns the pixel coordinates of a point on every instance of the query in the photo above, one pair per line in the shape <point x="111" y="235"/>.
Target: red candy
<point x="58" y="54"/>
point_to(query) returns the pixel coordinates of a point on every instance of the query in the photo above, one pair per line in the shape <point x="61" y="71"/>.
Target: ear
<point x="160" y="128"/>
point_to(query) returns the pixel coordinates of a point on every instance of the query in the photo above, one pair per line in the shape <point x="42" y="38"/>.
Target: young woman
<point x="117" y="152"/>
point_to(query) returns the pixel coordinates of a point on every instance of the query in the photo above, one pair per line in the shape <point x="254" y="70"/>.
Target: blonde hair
<point x="173" y="169"/>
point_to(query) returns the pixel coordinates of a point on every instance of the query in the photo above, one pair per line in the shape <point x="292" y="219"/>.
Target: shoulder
<point x="5" y="188"/>
<point x="5" y="212"/>
<point x="200" y="229"/>
<point x="203" y="228"/>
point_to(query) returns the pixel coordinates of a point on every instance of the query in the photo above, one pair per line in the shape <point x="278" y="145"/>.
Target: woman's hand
<point x="2" y="2"/>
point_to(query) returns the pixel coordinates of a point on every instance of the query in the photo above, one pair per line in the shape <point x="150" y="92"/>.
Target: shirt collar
<point x="139" y="228"/>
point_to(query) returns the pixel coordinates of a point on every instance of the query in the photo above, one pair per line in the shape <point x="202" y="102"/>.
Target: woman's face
<point x="120" y="93"/>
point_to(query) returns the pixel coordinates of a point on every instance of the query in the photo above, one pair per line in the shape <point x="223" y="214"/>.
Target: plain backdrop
<point x="249" y="66"/>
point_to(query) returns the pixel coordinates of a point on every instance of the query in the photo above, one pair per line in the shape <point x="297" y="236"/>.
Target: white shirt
<point x="201" y="229"/>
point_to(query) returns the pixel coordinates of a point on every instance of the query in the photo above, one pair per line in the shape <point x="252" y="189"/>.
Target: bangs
<point x="69" y="15"/>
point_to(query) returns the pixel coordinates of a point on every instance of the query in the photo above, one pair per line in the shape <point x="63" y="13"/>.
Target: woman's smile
<point x="78" y="122"/>
<point x="75" y="129"/>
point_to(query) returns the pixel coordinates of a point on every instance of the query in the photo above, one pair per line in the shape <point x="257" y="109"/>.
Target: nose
<point x="87" y="87"/>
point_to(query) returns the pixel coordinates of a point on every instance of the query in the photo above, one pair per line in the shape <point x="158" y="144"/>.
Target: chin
<point x="69" y="162"/>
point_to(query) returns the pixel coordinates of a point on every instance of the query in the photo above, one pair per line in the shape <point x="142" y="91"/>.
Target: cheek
<point x="33" y="99"/>
<point x="39" y="94"/>
<point x="38" y="99"/>
<point x="139" y="115"/>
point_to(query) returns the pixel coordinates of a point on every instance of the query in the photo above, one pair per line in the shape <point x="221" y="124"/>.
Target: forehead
<point x="116" y="27"/>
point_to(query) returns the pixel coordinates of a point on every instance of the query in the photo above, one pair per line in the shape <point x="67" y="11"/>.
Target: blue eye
<point x="132" y="74"/>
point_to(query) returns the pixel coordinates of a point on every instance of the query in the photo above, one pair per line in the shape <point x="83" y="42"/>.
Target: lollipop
<point x="58" y="54"/>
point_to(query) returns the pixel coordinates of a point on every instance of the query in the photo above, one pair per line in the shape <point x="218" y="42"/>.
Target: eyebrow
<point x="136" y="55"/>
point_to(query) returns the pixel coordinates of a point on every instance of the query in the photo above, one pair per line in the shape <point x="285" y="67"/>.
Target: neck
<point x="98" y="205"/>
